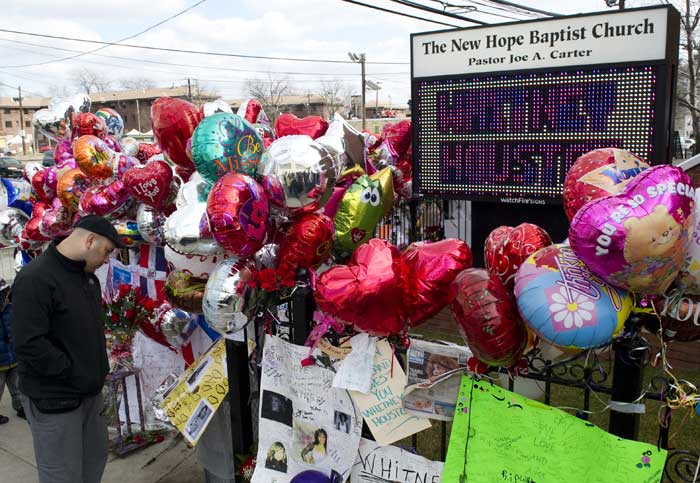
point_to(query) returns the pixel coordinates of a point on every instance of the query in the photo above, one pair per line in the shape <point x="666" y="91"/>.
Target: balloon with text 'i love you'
<point x="150" y="184"/>
<point x="599" y="173"/>
<point x="290" y="125"/>
<point x="430" y="270"/>
<point x="506" y="248"/>
<point x="567" y="305"/>
<point x="487" y="317"/>
<point x="238" y="210"/>
<point x="366" y="293"/>
<point x="307" y="245"/>
<point x="637" y="239"/>
<point x="225" y="143"/>
<point x="174" y="122"/>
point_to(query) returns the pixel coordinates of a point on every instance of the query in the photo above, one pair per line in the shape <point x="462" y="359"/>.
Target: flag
<point x="151" y="272"/>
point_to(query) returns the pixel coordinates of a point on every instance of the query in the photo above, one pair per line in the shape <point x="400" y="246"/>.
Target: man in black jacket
<point x="60" y="345"/>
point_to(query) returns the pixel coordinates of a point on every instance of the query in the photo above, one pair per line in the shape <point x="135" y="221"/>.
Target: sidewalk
<point x="167" y="462"/>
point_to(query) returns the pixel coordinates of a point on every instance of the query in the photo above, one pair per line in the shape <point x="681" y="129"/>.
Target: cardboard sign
<point x="501" y="436"/>
<point x="376" y="464"/>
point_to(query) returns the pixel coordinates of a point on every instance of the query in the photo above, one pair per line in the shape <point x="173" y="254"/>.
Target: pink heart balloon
<point x="150" y="184"/>
<point x="637" y="239"/>
<point x="104" y="199"/>
<point x="56" y="221"/>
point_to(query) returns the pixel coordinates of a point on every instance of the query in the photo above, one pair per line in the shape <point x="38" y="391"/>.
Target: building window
<point x="27" y="123"/>
<point x="133" y="117"/>
<point x="8" y="111"/>
<point x="8" y="123"/>
<point x="26" y="111"/>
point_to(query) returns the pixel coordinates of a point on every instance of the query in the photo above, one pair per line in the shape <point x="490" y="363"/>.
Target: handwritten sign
<point x="382" y="407"/>
<point x="388" y="463"/>
<point x="198" y="394"/>
<point x="501" y="436"/>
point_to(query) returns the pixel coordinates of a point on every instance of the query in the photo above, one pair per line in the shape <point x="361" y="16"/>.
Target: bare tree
<point x="332" y="93"/>
<point x="59" y="90"/>
<point x="269" y="92"/>
<point x="689" y="70"/>
<point x="90" y="81"/>
<point x="136" y="84"/>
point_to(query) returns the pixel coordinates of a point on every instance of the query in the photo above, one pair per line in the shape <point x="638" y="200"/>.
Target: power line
<point x="183" y="51"/>
<point x="522" y="7"/>
<point x="408" y="3"/>
<point x="16" y="88"/>
<point x="135" y="59"/>
<point x="503" y="9"/>
<point x="399" y="13"/>
<point x="181" y="12"/>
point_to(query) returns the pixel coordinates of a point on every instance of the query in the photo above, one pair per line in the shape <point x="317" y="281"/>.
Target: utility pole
<point x="621" y="4"/>
<point x="360" y="59"/>
<point x="21" y="120"/>
<point x="138" y="115"/>
<point x="189" y="90"/>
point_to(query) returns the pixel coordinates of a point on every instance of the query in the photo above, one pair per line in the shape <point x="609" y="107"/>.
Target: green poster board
<point x="513" y="439"/>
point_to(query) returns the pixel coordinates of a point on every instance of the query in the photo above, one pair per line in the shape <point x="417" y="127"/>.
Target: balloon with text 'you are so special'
<point x="565" y="304"/>
<point x="637" y="239"/>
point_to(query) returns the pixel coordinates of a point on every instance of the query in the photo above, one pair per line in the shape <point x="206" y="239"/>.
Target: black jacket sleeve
<point x="31" y="324"/>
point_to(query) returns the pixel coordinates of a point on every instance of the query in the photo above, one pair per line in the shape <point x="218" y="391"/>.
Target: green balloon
<point x="225" y="143"/>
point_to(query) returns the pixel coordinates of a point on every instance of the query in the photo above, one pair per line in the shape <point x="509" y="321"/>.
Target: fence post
<point x="627" y="385"/>
<point x="413" y="213"/>
<point x="301" y="308"/>
<point x="239" y="395"/>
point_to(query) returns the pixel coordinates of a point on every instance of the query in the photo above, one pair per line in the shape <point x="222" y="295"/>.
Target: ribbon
<point x="324" y="324"/>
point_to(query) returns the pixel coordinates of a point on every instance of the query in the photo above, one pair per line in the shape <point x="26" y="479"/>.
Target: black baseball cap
<point x="101" y="226"/>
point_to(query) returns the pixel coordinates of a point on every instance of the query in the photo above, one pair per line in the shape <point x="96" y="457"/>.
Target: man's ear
<point x="90" y="240"/>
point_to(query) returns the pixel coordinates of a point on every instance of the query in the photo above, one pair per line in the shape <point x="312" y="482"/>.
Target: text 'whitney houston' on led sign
<point x="502" y="112"/>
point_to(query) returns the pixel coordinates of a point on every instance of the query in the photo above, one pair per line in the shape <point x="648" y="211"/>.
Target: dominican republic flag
<point x="151" y="272"/>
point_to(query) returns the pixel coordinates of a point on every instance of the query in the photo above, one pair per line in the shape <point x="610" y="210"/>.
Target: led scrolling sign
<point x="511" y="136"/>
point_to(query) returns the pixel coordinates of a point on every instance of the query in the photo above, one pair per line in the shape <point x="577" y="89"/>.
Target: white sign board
<point x="626" y="36"/>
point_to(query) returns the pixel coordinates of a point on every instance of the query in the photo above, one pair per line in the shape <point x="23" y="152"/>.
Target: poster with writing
<point x="199" y="392"/>
<point x="434" y="374"/>
<point x="501" y="436"/>
<point x="305" y="423"/>
<point x="389" y="464"/>
<point x="382" y="407"/>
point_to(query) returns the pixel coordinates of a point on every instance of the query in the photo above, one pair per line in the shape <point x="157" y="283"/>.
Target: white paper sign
<point x="305" y="424"/>
<point x="626" y="36"/>
<point x="377" y="464"/>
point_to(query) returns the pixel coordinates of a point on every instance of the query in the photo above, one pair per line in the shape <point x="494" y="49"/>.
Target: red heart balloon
<point x="516" y="245"/>
<point x="41" y="190"/>
<point x="87" y="123"/>
<point x="367" y="291"/>
<point x="31" y="237"/>
<point x="147" y="151"/>
<point x="174" y="121"/>
<point x="430" y="269"/>
<point x="487" y="317"/>
<point x="150" y="184"/>
<point x="398" y="137"/>
<point x="307" y="245"/>
<point x="289" y="125"/>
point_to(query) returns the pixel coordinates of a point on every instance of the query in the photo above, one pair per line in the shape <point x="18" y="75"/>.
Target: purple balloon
<point x="63" y="151"/>
<point x="311" y="476"/>
<point x="637" y="240"/>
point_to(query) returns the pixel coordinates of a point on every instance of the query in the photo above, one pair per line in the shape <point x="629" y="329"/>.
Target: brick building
<point x="300" y="106"/>
<point x="10" y="127"/>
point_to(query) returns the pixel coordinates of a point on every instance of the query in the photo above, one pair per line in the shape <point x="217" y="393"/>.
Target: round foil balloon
<point x="55" y="172"/>
<point x="70" y="188"/>
<point x="599" y="173"/>
<point x="516" y="244"/>
<point x="184" y="291"/>
<point x="307" y="245"/>
<point x="225" y="143"/>
<point x="174" y="121"/>
<point x="680" y="316"/>
<point x="367" y="291"/>
<point x="150" y="224"/>
<point x="637" y="239"/>
<point x="237" y="210"/>
<point x="128" y="231"/>
<point x="430" y="270"/>
<point x="305" y="170"/>
<point x="183" y="231"/>
<point x="57" y="221"/>
<point x="176" y="325"/>
<point x="487" y="317"/>
<point x="98" y="161"/>
<point x="227" y="296"/>
<point x="87" y="123"/>
<point x="130" y="146"/>
<point x="567" y="305"/>
<point x="689" y="278"/>
<point x="113" y="120"/>
<point x="200" y="266"/>
<point x="311" y="476"/>
<point x="362" y="207"/>
<point x="103" y="200"/>
<point x="12" y="223"/>
<point x="56" y="121"/>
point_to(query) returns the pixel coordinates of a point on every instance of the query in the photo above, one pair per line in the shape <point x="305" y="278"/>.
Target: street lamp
<point x="375" y="86"/>
<point x="360" y="59"/>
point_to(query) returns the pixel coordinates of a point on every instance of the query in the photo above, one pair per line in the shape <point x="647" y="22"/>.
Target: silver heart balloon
<point x="213" y="107"/>
<point x="183" y="231"/>
<point x="227" y="297"/>
<point x="56" y="121"/>
<point x="192" y="192"/>
<point x="151" y="224"/>
<point x="304" y="168"/>
<point x="12" y="222"/>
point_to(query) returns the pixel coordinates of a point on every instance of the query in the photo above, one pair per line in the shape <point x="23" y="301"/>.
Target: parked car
<point x="48" y="160"/>
<point x="10" y="167"/>
<point x="687" y="144"/>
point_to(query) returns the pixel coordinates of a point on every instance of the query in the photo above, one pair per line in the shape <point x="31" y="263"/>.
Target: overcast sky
<point x="309" y="29"/>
